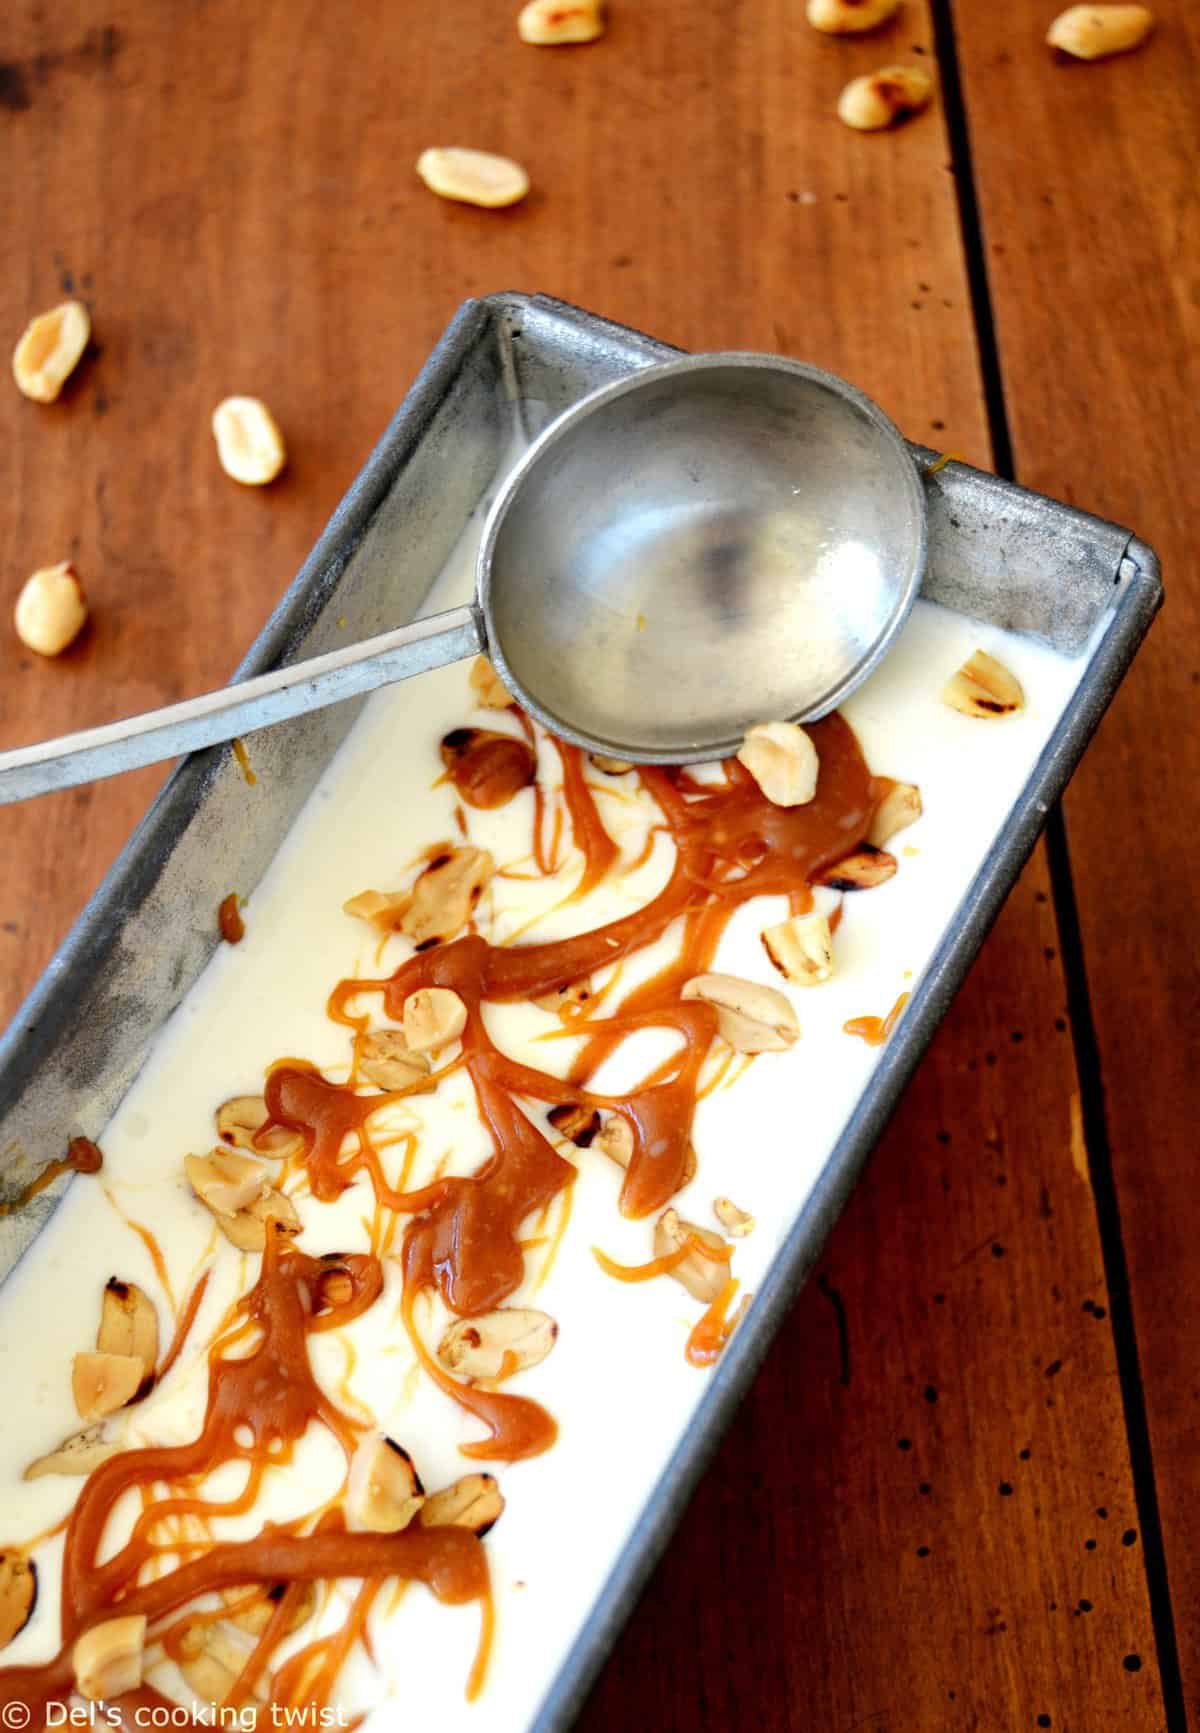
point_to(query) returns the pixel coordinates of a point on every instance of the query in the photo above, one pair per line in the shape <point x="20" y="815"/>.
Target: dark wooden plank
<point x="1088" y="181"/>
<point x="232" y="190"/>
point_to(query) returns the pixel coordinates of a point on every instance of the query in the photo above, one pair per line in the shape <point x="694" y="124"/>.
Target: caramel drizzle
<point x="271" y="1392"/>
<point x="463" y="1235"/>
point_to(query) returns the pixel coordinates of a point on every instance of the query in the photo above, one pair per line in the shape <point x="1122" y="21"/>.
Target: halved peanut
<point x="900" y="807"/>
<point x="18" y="1593"/>
<point x="1092" y="32"/>
<point x="490" y="691"/>
<point x="384" y="1491"/>
<point x="610" y="766"/>
<point x="750" y="1017"/>
<point x="386" y="1059"/>
<point x="78" y="1454"/>
<point x="801" y="948"/>
<point x="509" y="1339"/>
<point x="249" y="443"/>
<point x="735" y="1221"/>
<point x="226" y="1182"/>
<point x="571" y="1119"/>
<point x="568" y="999"/>
<point x="475" y="1502"/>
<point x="782" y="760"/>
<point x="384" y="909"/>
<point x="472" y="177"/>
<point x="247" y="1230"/>
<point x="49" y="350"/>
<point x="552" y="23"/>
<point x="107" y="1659"/>
<point x="433" y="1017"/>
<point x="615" y="1139"/>
<point x="850" y="17"/>
<point x="241" y="1119"/>
<point x="255" y="1614"/>
<point x="51" y="609"/>
<point x="211" y="1662"/>
<point x="102" y="1383"/>
<point x="128" y="1324"/>
<point x="983" y="687"/>
<point x="703" y="1277"/>
<point x="881" y="99"/>
<point x="862" y="870"/>
<point x="445" y="895"/>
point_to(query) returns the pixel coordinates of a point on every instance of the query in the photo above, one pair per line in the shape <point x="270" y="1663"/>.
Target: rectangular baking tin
<point x="509" y="362"/>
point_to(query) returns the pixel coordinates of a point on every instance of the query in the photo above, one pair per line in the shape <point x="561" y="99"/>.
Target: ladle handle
<point x="234" y="710"/>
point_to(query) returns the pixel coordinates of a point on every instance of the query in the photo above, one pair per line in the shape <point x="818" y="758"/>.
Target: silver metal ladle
<point x="718" y="541"/>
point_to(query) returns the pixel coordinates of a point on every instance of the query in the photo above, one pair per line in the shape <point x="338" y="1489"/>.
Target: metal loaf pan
<point x="509" y="363"/>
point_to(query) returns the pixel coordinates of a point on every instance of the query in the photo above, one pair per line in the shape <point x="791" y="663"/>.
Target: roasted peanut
<point x="475" y="1502"/>
<point x="49" y="350"/>
<point x="884" y="98"/>
<point x="249" y="444"/>
<point x="240" y="1123"/>
<point x="610" y="766"/>
<point x="862" y="870"/>
<point x="433" y="1017"/>
<point x="497" y="1343"/>
<point x="1092" y="32"/>
<point x="783" y="761"/>
<point x="735" y="1221"/>
<point x="128" y="1324"/>
<point x="473" y="177"/>
<point x="51" y="609"/>
<point x="384" y="909"/>
<point x="900" y="807"/>
<point x="210" y="1661"/>
<point x="850" y="17"/>
<point x="703" y="1277"/>
<point x="78" y="1454"/>
<point x="801" y="948"/>
<point x="102" y="1383"/>
<point x="750" y="1017"/>
<point x="107" y="1659"/>
<point x="580" y="1124"/>
<point x="983" y="687"/>
<point x="247" y="1229"/>
<point x="18" y="1593"/>
<point x="615" y="1139"/>
<point x="255" y="1614"/>
<point x="553" y="23"/>
<point x="226" y="1182"/>
<point x="490" y="691"/>
<point x="445" y="895"/>
<point x="386" y="1059"/>
<point x="384" y="1491"/>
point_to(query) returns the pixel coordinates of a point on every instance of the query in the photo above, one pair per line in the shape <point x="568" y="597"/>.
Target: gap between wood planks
<point x="1083" y="1030"/>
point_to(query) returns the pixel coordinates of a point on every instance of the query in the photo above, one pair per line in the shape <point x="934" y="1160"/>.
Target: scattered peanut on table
<point x="850" y="17"/>
<point x="882" y="99"/>
<point x="557" y="23"/>
<point x="51" y="609"/>
<point x="49" y="350"/>
<point x="473" y="177"/>
<point x="1094" y="32"/>
<point x="249" y="444"/>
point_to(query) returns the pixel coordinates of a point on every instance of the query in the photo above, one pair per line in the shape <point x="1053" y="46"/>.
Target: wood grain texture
<point x="1089" y="187"/>
<point x="231" y="189"/>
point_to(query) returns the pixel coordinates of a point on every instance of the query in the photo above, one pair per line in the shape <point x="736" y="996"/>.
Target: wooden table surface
<point x="963" y="1493"/>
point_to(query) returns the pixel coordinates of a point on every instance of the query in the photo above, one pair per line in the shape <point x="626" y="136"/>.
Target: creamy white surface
<point x="617" y="1381"/>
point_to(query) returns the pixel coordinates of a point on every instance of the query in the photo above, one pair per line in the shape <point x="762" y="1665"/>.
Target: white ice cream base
<point x="617" y="1381"/>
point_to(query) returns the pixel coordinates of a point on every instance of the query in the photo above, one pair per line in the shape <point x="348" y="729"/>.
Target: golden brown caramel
<point x="487" y="768"/>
